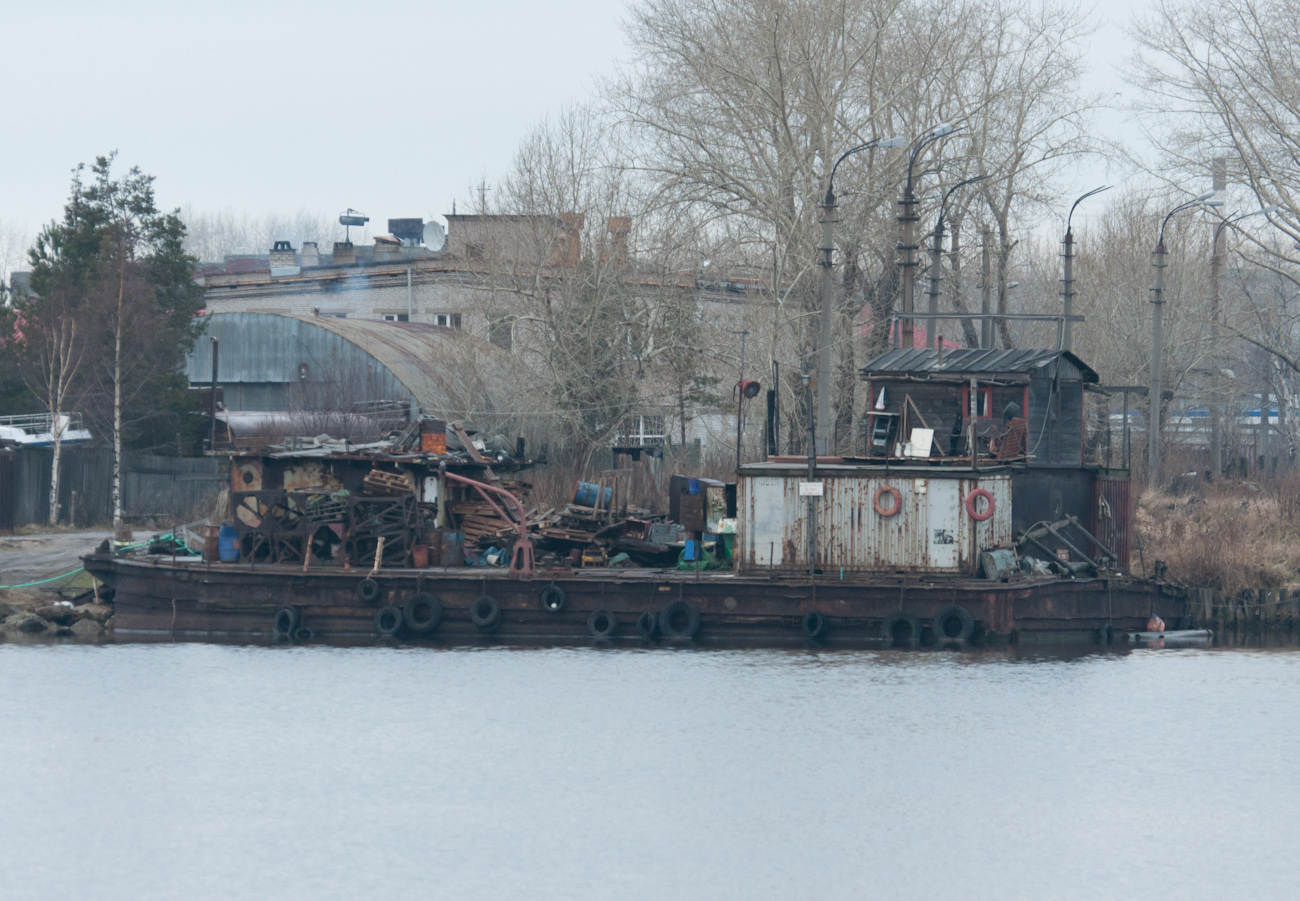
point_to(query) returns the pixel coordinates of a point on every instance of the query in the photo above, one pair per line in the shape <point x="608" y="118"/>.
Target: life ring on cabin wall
<point x="970" y="505"/>
<point x="893" y="492"/>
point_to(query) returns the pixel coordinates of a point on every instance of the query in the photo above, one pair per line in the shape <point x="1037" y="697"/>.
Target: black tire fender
<point x="485" y="613"/>
<point x="900" y="629"/>
<point x="602" y="624"/>
<point x="680" y="619"/>
<point x="814" y="624"/>
<point x="647" y="624"/>
<point x="552" y="598"/>
<point x="1106" y="635"/>
<point x="422" y="613"/>
<point x="954" y="616"/>
<point x="388" y="622"/>
<point x="370" y="591"/>
<point x="284" y="622"/>
<point x="303" y="633"/>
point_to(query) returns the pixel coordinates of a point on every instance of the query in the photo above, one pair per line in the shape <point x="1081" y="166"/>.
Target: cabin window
<point x="983" y="402"/>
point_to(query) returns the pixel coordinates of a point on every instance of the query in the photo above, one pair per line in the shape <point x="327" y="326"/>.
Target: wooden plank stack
<point x="386" y="484"/>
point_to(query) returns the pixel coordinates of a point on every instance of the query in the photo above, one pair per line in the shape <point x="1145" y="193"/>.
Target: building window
<point x="447" y="320"/>
<point x="396" y="317"/>
<point x="644" y="429"/>
<point x="501" y="332"/>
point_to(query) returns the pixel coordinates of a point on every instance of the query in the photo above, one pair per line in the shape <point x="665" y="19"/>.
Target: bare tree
<point x="51" y="345"/>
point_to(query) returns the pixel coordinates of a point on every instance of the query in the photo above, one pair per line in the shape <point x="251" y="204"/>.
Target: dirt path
<point x="25" y="558"/>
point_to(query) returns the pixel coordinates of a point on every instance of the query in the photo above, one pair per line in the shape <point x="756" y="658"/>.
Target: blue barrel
<point x="453" y="549"/>
<point x="691" y="553"/>
<point x="587" y="494"/>
<point x="227" y="544"/>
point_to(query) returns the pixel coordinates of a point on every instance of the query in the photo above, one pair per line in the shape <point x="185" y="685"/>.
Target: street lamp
<point x="828" y="263"/>
<point x="1157" y="338"/>
<point x="908" y="219"/>
<point x="1219" y="250"/>
<point x="1067" y="280"/>
<point x="933" y="309"/>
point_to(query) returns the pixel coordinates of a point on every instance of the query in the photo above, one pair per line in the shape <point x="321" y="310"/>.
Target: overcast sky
<point x="393" y="108"/>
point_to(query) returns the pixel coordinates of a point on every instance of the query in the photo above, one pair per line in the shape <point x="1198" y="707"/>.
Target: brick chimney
<point x="310" y="254"/>
<point x="619" y="228"/>
<point x="387" y="248"/>
<point x="283" y="256"/>
<point x="344" y="253"/>
<point x="567" y="245"/>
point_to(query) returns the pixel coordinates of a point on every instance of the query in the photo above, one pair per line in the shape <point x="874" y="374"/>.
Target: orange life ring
<point x="898" y="500"/>
<point x="970" y="505"/>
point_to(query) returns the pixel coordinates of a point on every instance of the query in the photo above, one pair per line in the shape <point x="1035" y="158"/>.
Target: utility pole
<point x="907" y="217"/>
<point x="932" y="306"/>
<point x="1217" y="254"/>
<point x="827" y="262"/>
<point x="740" y="396"/>
<point x="1067" y="275"/>
<point x="1157" y="339"/>
<point x="808" y="386"/>
<point x="986" y="289"/>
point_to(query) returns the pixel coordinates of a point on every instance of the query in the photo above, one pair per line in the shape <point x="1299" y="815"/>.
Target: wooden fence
<point x="162" y="489"/>
<point x="1251" y="610"/>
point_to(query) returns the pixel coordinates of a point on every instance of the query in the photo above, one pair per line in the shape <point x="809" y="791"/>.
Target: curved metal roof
<point x="447" y="372"/>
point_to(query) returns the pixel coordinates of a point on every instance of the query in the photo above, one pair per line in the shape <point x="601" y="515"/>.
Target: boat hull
<point x="190" y="600"/>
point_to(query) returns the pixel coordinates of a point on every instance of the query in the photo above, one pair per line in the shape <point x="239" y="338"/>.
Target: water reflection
<point x="201" y="770"/>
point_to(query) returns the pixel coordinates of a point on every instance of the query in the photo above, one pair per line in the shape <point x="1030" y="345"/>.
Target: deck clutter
<point x="974" y="515"/>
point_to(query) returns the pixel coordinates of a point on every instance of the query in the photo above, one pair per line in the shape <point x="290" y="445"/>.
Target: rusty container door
<point x="1111" y="518"/>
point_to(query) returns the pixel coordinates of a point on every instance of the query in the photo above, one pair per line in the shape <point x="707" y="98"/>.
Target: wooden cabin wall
<point x="940" y="404"/>
<point x="1055" y="422"/>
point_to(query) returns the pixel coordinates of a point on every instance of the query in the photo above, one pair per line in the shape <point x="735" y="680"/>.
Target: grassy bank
<point x="1227" y="536"/>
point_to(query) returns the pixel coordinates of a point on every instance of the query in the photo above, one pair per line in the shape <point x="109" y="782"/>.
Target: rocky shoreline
<point x="57" y="620"/>
<point x="59" y="610"/>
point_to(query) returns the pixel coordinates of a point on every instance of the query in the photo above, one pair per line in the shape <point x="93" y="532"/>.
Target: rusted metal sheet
<point x="246" y="475"/>
<point x="1111" y="515"/>
<point x="305" y="474"/>
<point x="931" y="533"/>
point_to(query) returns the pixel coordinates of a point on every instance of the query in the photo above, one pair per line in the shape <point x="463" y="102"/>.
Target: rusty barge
<point x="972" y="517"/>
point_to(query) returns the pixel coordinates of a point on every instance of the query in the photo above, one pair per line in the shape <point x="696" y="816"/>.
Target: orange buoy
<point x="970" y="505"/>
<point x="892" y="492"/>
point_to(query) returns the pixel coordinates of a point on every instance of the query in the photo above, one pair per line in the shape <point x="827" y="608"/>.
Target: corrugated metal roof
<point x="972" y="362"/>
<point x="447" y="372"/>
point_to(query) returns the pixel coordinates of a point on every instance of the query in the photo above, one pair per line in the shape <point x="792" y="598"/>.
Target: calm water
<point x="205" y="771"/>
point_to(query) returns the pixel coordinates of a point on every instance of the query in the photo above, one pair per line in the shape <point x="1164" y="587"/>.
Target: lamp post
<point x="907" y="217"/>
<point x="935" y="254"/>
<point x="1067" y="279"/>
<point x="1219" y="250"/>
<point x="827" y="263"/>
<point x="1157" y="339"/>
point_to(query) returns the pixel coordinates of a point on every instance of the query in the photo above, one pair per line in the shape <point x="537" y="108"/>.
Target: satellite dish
<point x="435" y="236"/>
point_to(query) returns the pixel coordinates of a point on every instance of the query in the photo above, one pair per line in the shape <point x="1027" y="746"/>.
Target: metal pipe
<point x="410" y="303"/>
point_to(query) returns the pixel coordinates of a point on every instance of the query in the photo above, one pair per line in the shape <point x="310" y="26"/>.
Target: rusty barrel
<point x="433" y="436"/>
